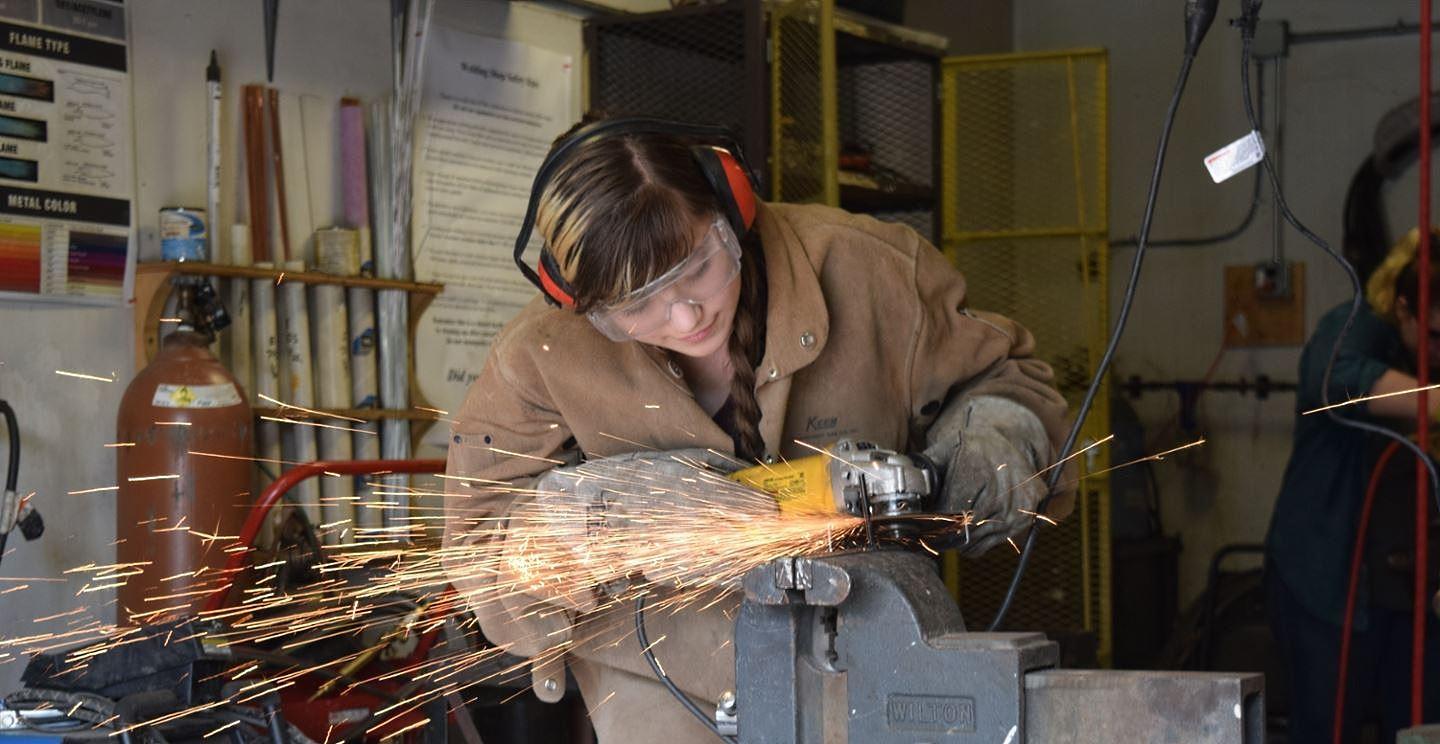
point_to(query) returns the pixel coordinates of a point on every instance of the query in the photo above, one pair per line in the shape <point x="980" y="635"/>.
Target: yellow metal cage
<point x="1024" y="216"/>
<point x="803" y="102"/>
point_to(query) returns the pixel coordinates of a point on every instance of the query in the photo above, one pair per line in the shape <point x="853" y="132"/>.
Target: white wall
<point x="1224" y="492"/>
<point x="324" y="47"/>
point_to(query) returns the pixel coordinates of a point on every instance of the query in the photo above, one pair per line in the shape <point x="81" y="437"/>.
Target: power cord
<point x="1199" y="15"/>
<point x="14" y="510"/>
<point x="664" y="678"/>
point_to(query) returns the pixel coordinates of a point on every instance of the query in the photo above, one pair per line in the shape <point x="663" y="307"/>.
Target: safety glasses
<point x="705" y="273"/>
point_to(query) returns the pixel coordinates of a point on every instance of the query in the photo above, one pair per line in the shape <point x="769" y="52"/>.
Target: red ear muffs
<point x="553" y="283"/>
<point x="724" y="169"/>
<point x="731" y="185"/>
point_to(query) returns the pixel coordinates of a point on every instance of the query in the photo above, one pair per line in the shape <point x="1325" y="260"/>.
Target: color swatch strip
<point x="96" y="264"/>
<point x="20" y="258"/>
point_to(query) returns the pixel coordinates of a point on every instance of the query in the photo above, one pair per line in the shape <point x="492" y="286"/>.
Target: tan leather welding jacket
<point x="867" y="336"/>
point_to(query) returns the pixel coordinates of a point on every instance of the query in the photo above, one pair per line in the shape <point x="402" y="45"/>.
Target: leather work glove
<point x="594" y="525"/>
<point x="989" y="450"/>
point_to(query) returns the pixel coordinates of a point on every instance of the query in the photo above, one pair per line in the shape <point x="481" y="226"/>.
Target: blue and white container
<point x="182" y="234"/>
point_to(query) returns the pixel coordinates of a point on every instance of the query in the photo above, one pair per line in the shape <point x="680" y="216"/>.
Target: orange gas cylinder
<point x="185" y="401"/>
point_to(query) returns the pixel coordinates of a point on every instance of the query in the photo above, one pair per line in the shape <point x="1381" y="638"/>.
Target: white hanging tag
<point x="1235" y="157"/>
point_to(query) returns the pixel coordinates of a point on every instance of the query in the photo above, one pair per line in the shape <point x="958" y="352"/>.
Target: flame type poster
<point x="66" y="159"/>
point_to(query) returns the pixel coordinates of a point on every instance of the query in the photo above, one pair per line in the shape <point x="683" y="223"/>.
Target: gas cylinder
<point x="178" y="510"/>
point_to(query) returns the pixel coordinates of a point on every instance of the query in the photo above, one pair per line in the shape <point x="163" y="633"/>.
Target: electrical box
<point x="1265" y="307"/>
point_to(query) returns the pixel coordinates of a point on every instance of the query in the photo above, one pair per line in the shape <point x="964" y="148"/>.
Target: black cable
<point x="664" y="678"/>
<point x="1245" y="222"/>
<point x="1249" y="17"/>
<point x="12" y="469"/>
<point x="1129" y="297"/>
<point x="12" y="429"/>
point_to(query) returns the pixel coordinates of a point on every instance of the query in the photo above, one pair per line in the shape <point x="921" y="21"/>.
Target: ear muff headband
<point x="728" y="176"/>
<point x="553" y="283"/>
<point x="731" y="185"/>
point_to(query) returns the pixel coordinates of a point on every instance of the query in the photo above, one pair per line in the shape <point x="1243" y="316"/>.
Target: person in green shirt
<point x="1312" y="530"/>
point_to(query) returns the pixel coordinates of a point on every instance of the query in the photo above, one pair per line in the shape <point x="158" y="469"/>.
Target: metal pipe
<point x="1399" y="28"/>
<point x="1277" y="148"/>
<point x="1422" y="401"/>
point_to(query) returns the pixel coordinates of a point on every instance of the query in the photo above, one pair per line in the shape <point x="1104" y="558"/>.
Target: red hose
<point x="288" y="480"/>
<point x="1422" y="414"/>
<point x="1355" y="561"/>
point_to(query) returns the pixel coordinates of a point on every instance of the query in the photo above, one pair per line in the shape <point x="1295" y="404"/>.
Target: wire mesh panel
<point x="687" y="66"/>
<point x="887" y="139"/>
<point x="803" y="136"/>
<point x="886" y="109"/>
<point x="1024" y="216"/>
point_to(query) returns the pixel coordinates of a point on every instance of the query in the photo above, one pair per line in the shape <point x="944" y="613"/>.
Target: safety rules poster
<point x="490" y="110"/>
<point x="65" y="150"/>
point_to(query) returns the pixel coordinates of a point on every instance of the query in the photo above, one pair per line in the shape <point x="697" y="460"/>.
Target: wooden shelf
<point x="195" y="268"/>
<point x="153" y="288"/>
<point x="860" y="39"/>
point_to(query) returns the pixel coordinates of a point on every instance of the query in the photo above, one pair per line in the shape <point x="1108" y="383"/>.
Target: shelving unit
<point x="152" y="290"/>
<point x="800" y="82"/>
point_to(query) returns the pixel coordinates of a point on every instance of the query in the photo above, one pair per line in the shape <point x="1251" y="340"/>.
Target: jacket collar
<point x="797" y="321"/>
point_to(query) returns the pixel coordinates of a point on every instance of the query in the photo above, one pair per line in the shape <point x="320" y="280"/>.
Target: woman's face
<point x="697" y="329"/>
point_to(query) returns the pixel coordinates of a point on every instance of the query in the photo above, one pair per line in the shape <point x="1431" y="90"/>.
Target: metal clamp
<point x="727" y="721"/>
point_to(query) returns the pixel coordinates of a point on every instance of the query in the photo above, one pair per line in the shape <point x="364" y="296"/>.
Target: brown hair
<point x="619" y="212"/>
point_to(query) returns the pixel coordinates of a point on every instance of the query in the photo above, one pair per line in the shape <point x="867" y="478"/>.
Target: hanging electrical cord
<point x="1199" y="15"/>
<point x="1245" y="222"/>
<point x="664" y="678"/>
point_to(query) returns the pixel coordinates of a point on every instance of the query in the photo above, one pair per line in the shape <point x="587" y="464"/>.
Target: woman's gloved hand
<point x="989" y="450"/>
<point x="590" y="526"/>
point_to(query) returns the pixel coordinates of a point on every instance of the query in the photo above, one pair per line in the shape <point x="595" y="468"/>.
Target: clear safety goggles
<point x="706" y="272"/>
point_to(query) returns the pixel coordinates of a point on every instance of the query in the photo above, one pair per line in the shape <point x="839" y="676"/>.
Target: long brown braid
<point x="747" y="346"/>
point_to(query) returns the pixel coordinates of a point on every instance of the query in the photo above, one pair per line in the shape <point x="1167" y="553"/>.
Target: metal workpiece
<point x="869" y="647"/>
<point x="1081" y="706"/>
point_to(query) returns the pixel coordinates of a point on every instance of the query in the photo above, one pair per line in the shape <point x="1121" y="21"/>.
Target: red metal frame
<point x="1422" y="415"/>
<point x="316" y="717"/>
<point x="235" y="565"/>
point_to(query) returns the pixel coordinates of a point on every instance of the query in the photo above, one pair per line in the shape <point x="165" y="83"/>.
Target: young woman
<point x="685" y="320"/>
<point x="1312" y="530"/>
